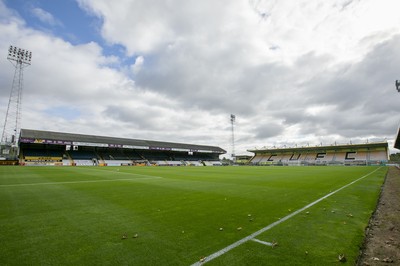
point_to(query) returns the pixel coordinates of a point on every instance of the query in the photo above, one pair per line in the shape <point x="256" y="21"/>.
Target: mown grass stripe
<point x="82" y="181"/>
<point x="268" y="227"/>
<point x="117" y="171"/>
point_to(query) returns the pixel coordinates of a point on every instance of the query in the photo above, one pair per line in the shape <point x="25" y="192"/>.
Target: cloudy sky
<point x="293" y="72"/>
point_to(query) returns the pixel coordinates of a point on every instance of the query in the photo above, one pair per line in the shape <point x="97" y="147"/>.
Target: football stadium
<point x="76" y="199"/>
<point x="93" y="200"/>
<point x="70" y="198"/>
<point x="44" y="148"/>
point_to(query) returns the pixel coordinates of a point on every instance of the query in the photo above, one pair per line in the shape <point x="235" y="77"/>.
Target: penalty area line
<point x="262" y="242"/>
<point x="268" y="227"/>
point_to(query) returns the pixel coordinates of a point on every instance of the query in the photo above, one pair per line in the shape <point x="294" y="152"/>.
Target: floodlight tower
<point x="233" y="118"/>
<point x="20" y="58"/>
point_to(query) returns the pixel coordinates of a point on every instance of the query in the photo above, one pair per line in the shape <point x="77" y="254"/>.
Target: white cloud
<point x="45" y="16"/>
<point x="138" y="64"/>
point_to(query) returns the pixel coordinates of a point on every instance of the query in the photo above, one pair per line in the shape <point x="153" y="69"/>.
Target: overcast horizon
<point x="305" y="72"/>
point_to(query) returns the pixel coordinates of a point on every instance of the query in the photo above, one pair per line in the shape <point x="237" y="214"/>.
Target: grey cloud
<point x="268" y="130"/>
<point x="350" y="91"/>
<point x="361" y="97"/>
<point x="143" y="118"/>
<point x="206" y="61"/>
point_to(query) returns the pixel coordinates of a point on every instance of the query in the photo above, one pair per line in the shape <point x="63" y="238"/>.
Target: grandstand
<point x="349" y="154"/>
<point x="56" y="148"/>
<point x="242" y="159"/>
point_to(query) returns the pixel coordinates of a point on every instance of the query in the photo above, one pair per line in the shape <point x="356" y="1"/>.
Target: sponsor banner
<point x="45" y="141"/>
<point x="42" y="158"/>
<point x="91" y="144"/>
<point x="115" y="145"/>
<point x="204" y="151"/>
<point x="26" y="140"/>
<point x="160" y="148"/>
<point x="191" y="151"/>
<point x="135" y="147"/>
<point x="177" y="149"/>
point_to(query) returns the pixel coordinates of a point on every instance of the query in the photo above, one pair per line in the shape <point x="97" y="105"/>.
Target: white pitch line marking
<point x="82" y="181"/>
<point x="262" y="242"/>
<point x="262" y="230"/>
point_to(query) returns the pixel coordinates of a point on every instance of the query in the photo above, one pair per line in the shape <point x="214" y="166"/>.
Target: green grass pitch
<point x="173" y="215"/>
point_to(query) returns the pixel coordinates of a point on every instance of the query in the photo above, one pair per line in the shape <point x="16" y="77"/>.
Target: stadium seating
<point x="212" y="163"/>
<point x="81" y="155"/>
<point x="42" y="157"/>
<point x="51" y="148"/>
<point x="194" y="163"/>
<point x="117" y="162"/>
<point x="82" y="162"/>
<point x="168" y="163"/>
<point x="361" y="154"/>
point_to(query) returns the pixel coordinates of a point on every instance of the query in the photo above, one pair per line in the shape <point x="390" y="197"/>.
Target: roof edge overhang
<point x="60" y="138"/>
<point x="397" y="141"/>
<point x="323" y="148"/>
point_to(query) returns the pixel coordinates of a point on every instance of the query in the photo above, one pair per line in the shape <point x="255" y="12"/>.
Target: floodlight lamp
<point x="398" y="85"/>
<point x="19" y="55"/>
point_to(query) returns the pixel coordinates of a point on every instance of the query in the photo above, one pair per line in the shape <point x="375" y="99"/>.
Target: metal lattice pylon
<point x="233" y="119"/>
<point x="20" y="58"/>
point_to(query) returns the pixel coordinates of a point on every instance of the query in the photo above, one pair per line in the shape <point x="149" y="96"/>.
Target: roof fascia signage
<point x="45" y="141"/>
<point x="108" y="145"/>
